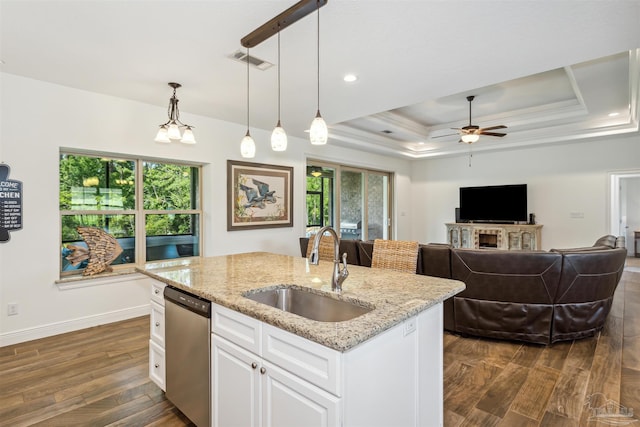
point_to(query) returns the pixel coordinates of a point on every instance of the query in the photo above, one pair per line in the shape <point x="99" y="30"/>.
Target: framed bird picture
<point x="258" y="196"/>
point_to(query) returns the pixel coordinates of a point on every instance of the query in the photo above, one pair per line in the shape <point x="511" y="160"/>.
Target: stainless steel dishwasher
<point x="187" y="354"/>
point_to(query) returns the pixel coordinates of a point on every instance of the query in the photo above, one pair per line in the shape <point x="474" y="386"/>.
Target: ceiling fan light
<point x="247" y="147"/>
<point x="161" y="136"/>
<point x="174" y="131"/>
<point x="188" y="137"/>
<point x="470" y="138"/>
<point x="278" y="138"/>
<point x="318" y="132"/>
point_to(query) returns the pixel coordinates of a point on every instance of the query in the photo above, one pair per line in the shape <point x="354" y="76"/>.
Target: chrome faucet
<point x="339" y="275"/>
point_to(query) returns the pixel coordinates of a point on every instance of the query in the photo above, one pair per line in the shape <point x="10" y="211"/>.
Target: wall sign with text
<point x="10" y="204"/>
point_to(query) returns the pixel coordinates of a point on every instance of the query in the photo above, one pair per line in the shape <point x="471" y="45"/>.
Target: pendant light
<point x="247" y="145"/>
<point x="318" y="132"/>
<point x="171" y="129"/>
<point x="279" y="136"/>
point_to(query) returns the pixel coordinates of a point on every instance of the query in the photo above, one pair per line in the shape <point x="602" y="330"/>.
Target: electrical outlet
<point x="12" y="309"/>
<point x="409" y="326"/>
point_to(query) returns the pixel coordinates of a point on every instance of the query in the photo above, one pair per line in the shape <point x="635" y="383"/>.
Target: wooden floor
<point x="99" y="376"/>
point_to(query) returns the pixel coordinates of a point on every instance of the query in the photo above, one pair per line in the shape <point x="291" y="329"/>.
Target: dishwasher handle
<point x="189" y="301"/>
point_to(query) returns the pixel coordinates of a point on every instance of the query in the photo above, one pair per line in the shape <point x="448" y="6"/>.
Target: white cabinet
<point x="287" y="399"/>
<point x="267" y="377"/>
<point x="250" y="391"/>
<point x="156" y="341"/>
<point x="236" y="383"/>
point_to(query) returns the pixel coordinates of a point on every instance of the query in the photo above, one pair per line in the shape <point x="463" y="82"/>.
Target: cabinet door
<point x="235" y="385"/>
<point x="454" y="237"/>
<point x="287" y="401"/>
<point x="156" y="364"/>
<point x="157" y="323"/>
<point x="515" y="240"/>
<point x="466" y="238"/>
<point x="157" y="291"/>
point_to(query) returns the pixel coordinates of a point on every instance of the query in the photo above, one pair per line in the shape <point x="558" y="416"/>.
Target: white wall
<point x="561" y="180"/>
<point x="39" y="118"/>
<point x="630" y="210"/>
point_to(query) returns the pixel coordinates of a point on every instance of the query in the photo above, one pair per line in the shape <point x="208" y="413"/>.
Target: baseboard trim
<point x="43" y="331"/>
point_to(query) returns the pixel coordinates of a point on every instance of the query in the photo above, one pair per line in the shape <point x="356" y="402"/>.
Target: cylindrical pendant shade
<point x="278" y="139"/>
<point x="318" y="132"/>
<point x="247" y="147"/>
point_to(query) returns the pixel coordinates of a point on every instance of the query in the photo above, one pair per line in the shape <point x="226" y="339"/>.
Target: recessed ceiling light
<point x="350" y="78"/>
<point x="421" y="143"/>
<point x="613" y="114"/>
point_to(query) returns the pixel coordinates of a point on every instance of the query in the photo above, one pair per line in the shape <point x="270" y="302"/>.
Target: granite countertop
<point x="224" y="279"/>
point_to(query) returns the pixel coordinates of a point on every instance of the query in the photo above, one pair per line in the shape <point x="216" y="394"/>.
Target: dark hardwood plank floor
<point x="99" y="376"/>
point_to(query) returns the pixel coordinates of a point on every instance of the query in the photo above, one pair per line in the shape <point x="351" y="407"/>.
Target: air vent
<point x="256" y="62"/>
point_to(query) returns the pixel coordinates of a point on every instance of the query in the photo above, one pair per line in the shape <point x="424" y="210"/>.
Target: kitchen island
<point x="381" y="368"/>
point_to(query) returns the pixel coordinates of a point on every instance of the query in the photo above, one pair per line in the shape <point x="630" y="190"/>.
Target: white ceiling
<point x="550" y="70"/>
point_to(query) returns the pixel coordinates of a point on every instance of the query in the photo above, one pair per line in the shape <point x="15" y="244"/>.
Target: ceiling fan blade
<point x="493" y="134"/>
<point x="444" y="136"/>
<point x="494" y="127"/>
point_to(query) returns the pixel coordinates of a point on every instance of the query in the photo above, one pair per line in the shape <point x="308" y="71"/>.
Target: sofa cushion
<point x="365" y="252"/>
<point x="434" y="259"/>
<point x="607" y="240"/>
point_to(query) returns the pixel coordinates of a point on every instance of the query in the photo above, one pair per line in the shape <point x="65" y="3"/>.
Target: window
<point x="356" y="199"/>
<point x="152" y="208"/>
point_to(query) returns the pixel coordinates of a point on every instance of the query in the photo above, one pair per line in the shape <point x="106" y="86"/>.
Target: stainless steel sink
<point x="308" y="304"/>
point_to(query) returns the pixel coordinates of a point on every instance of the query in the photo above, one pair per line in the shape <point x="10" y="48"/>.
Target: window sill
<point x="77" y="282"/>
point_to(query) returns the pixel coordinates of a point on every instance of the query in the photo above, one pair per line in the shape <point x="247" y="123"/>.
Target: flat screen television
<point x="497" y="203"/>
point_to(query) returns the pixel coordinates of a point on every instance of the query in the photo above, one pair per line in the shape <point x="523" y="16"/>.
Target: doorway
<point x="625" y="206"/>
<point x="355" y="201"/>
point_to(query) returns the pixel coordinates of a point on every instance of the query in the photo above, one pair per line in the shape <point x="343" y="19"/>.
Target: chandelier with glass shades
<point x="170" y="131"/>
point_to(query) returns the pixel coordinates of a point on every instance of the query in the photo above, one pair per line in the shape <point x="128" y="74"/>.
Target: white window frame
<point x="139" y="212"/>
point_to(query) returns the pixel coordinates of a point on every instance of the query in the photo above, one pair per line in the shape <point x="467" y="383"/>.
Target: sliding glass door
<point x="357" y="200"/>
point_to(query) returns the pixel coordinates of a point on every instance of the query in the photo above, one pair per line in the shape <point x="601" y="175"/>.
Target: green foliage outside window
<point x="169" y="187"/>
<point x="101" y="192"/>
<point x="316" y="187"/>
<point x="96" y="184"/>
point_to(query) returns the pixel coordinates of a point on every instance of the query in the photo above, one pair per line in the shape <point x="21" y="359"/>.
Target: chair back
<point x="325" y="248"/>
<point x="397" y="255"/>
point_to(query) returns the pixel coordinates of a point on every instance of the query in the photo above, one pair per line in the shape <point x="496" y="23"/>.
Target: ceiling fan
<point x="471" y="133"/>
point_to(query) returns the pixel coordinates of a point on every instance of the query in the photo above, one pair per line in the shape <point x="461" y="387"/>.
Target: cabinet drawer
<point x="156" y="364"/>
<point x="157" y="323"/>
<point x="311" y="361"/>
<point x="157" y="292"/>
<point x="238" y="328"/>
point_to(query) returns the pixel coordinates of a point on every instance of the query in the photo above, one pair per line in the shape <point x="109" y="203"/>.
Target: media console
<point x="494" y="236"/>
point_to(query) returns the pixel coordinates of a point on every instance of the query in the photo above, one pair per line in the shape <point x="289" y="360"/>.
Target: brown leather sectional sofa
<point x="533" y="296"/>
